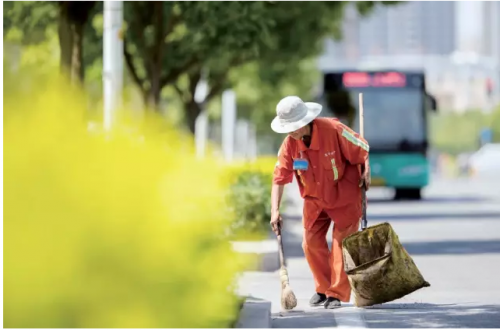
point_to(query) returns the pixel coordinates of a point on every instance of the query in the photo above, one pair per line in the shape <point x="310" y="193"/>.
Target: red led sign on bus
<point x="379" y="79"/>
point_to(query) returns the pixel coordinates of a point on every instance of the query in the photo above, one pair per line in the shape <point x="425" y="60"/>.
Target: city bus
<point x="396" y="107"/>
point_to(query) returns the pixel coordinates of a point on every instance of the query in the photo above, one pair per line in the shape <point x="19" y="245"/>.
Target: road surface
<point x="453" y="236"/>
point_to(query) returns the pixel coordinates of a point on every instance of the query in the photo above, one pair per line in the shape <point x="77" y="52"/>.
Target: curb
<point x="255" y="313"/>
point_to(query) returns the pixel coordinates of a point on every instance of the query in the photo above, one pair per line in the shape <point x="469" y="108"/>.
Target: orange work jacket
<point x="331" y="182"/>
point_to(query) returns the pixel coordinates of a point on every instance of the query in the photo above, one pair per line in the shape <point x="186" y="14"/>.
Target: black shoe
<point x="332" y="303"/>
<point x="317" y="300"/>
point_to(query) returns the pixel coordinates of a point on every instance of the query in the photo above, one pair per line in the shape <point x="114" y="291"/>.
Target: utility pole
<point x="112" y="59"/>
<point x="201" y="124"/>
<point x="228" y="123"/>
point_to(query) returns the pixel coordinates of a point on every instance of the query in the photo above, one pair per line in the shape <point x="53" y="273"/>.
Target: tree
<point x="257" y="97"/>
<point x="276" y="34"/>
<point x="164" y="40"/>
<point x="216" y="73"/>
<point x="29" y="22"/>
<point x="286" y="43"/>
<point x="73" y="17"/>
<point x="273" y="76"/>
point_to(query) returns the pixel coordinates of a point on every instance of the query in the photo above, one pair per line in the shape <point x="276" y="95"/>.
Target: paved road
<point x="453" y="236"/>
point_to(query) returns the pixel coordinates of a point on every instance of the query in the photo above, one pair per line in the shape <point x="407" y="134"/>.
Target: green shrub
<point x="108" y="230"/>
<point x="443" y="128"/>
<point x="495" y="125"/>
<point x="249" y="197"/>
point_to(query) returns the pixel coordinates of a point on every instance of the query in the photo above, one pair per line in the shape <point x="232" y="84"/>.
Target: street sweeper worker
<point x="330" y="163"/>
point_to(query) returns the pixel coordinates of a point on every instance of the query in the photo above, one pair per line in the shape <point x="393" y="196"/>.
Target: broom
<point x="288" y="299"/>
<point x="364" y="222"/>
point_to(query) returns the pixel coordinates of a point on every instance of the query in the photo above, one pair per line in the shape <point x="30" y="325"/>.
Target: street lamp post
<point x="228" y="123"/>
<point x="201" y="123"/>
<point x="112" y="59"/>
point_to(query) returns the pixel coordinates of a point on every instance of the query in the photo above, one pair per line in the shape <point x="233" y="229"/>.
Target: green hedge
<point x="249" y="197"/>
<point x="455" y="133"/>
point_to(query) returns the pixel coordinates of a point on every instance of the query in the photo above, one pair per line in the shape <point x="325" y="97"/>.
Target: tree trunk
<point x="65" y="42"/>
<point x="77" y="69"/>
<point x="192" y="110"/>
<point x="157" y="55"/>
<point x="155" y="91"/>
<point x="152" y="98"/>
<point x="145" y="98"/>
<point x="71" y="48"/>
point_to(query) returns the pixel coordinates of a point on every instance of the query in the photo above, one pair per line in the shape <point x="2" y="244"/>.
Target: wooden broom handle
<point x="364" y="221"/>
<point x="281" y="252"/>
<point x="361" y="116"/>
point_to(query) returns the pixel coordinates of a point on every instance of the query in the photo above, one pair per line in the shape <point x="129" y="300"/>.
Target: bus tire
<point x="408" y="193"/>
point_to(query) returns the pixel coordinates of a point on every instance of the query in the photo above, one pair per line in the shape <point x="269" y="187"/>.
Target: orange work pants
<point x="327" y="266"/>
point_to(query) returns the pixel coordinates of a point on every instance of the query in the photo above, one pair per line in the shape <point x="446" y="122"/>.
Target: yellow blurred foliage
<point x="123" y="228"/>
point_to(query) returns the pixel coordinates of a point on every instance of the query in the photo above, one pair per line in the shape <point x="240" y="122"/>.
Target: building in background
<point x="425" y="35"/>
<point x="491" y="29"/>
<point x="411" y="28"/>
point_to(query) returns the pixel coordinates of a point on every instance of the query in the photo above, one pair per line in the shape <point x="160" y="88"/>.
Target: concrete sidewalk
<point x="266" y="285"/>
<point x="453" y="236"/>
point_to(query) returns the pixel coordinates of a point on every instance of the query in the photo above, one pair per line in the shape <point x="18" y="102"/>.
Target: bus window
<point x="394" y="105"/>
<point x="392" y="116"/>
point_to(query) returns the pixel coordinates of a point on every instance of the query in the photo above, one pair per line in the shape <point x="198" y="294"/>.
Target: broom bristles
<point x="288" y="299"/>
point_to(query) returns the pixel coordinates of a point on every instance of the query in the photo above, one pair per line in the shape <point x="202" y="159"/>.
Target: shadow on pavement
<point x="294" y="248"/>
<point x="440" y="216"/>
<point x="453" y="247"/>
<point x="422" y="216"/>
<point x="430" y="200"/>
<point x="319" y="318"/>
<point x="268" y="262"/>
<point x="398" y="316"/>
<point x="293" y="244"/>
<point x="432" y="316"/>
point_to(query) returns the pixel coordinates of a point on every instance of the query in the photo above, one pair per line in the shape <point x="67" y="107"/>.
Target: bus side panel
<point x="399" y="170"/>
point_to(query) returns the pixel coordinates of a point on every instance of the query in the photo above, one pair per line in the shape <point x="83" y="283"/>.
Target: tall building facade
<point x="410" y="28"/>
<point x="491" y="30"/>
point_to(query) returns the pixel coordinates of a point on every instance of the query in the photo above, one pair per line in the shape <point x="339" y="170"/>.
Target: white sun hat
<point x="293" y="113"/>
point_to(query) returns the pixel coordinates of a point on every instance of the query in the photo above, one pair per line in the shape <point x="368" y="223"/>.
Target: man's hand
<point x="365" y="176"/>
<point x="276" y="222"/>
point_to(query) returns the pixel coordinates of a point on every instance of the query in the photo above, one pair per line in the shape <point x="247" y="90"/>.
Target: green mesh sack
<point x="378" y="267"/>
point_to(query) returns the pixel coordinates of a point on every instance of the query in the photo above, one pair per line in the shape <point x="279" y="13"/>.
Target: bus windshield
<point x="391" y="115"/>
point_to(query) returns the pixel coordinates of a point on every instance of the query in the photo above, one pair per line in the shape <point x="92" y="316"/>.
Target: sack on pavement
<point x="378" y="267"/>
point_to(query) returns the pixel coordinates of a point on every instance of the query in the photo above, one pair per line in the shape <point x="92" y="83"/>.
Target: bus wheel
<point x="408" y="193"/>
